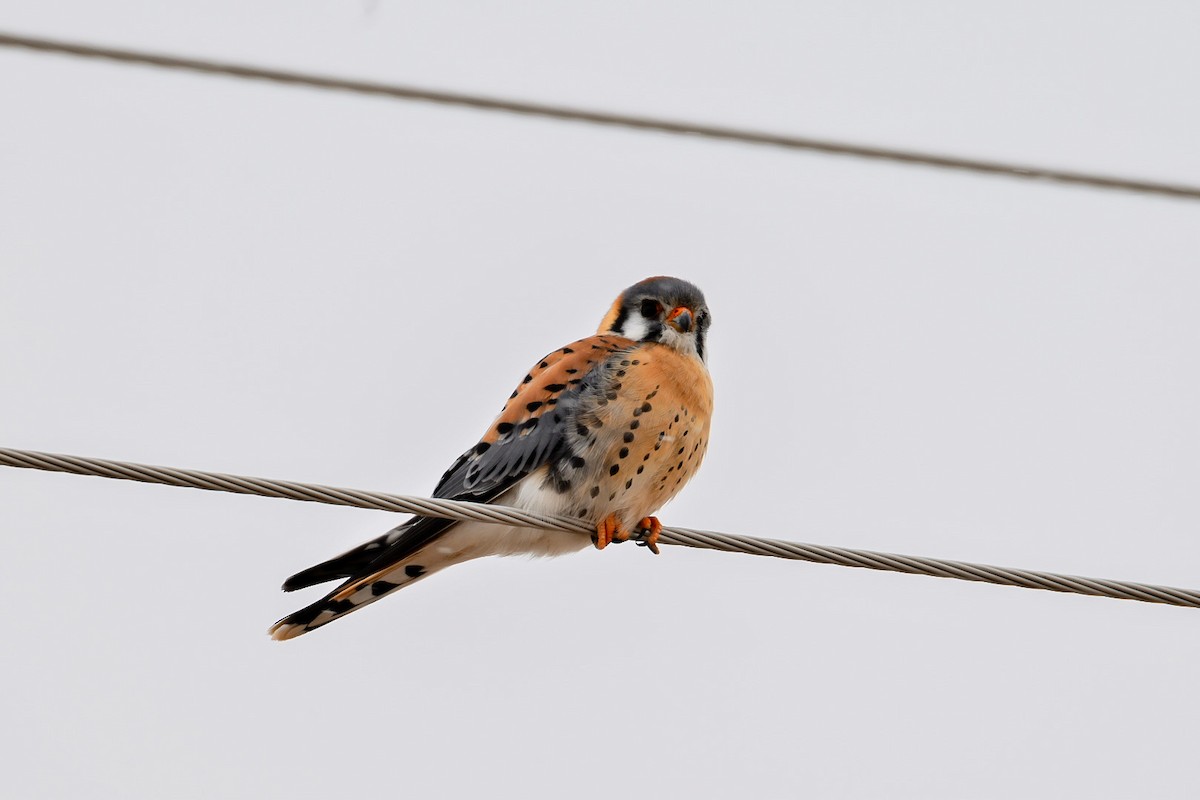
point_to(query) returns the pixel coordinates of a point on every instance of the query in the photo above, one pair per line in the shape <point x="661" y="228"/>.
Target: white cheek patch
<point x="636" y="328"/>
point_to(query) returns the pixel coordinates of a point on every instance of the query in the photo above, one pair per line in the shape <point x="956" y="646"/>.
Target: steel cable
<point x="685" y="537"/>
<point x="582" y="115"/>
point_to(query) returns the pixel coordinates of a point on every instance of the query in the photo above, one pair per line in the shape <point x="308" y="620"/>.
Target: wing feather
<point x="532" y="430"/>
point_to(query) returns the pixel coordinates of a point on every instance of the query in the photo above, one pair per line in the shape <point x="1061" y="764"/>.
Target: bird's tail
<point x="405" y="555"/>
<point x="358" y="592"/>
<point x="373" y="570"/>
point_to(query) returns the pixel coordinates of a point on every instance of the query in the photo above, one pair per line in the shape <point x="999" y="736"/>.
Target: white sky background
<point x="233" y="276"/>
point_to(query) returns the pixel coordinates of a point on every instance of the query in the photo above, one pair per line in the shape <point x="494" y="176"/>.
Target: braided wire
<point x="685" y="537"/>
<point x="605" y="118"/>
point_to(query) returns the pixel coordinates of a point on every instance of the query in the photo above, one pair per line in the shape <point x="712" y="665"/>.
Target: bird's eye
<point x="651" y="309"/>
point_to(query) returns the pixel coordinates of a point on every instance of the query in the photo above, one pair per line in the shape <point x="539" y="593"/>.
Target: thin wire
<point x="545" y="110"/>
<point x="687" y="537"/>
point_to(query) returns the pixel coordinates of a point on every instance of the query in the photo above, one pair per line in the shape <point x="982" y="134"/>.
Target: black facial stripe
<point x="618" y="325"/>
<point x="700" y="343"/>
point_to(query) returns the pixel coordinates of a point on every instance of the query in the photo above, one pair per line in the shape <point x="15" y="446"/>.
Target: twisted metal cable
<point x="548" y="111"/>
<point x="687" y="537"/>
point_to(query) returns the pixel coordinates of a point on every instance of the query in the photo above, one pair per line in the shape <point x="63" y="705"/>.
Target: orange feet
<point x="609" y="530"/>
<point x="648" y="530"/>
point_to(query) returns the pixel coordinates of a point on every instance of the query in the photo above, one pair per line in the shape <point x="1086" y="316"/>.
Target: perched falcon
<point x="606" y="429"/>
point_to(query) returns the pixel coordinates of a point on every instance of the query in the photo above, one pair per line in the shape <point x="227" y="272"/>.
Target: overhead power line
<point x="687" y="537"/>
<point x="549" y="111"/>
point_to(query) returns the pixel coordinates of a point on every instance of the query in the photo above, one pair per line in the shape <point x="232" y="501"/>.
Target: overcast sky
<point x="241" y="277"/>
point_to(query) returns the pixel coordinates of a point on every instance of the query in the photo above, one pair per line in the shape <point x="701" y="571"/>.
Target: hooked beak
<point x="680" y="319"/>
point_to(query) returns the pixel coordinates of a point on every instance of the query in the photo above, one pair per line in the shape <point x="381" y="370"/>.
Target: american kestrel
<point x="606" y="429"/>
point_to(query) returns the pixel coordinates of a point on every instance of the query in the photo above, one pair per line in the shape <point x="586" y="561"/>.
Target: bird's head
<point x="666" y="310"/>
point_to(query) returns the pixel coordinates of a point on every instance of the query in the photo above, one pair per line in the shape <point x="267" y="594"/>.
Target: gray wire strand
<point x="549" y="111"/>
<point x="686" y="537"/>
